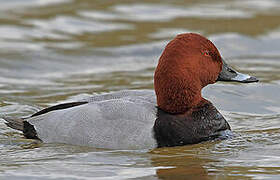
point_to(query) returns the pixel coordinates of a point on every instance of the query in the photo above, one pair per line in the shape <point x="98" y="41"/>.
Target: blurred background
<point x="54" y="51"/>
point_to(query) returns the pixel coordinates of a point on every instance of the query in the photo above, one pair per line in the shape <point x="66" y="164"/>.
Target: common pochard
<point x="176" y="114"/>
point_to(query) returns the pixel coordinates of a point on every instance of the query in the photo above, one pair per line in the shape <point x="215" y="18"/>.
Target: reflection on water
<point x="55" y="51"/>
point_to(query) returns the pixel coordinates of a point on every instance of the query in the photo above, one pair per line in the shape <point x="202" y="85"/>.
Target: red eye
<point x="206" y="53"/>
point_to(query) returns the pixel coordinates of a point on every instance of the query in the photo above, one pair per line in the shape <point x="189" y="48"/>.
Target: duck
<point x="174" y="114"/>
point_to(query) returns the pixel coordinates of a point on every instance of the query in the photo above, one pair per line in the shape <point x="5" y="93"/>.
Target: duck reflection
<point x="181" y="163"/>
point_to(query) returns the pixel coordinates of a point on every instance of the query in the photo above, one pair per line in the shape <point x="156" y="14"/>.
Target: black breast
<point x="202" y="124"/>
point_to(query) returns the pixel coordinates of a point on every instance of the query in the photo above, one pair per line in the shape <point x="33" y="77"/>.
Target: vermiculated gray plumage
<point x="118" y="120"/>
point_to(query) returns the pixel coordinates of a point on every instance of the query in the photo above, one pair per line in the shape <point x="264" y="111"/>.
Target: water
<point x="61" y="50"/>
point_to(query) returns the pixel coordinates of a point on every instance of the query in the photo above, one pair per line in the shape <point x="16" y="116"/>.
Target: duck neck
<point x="178" y="96"/>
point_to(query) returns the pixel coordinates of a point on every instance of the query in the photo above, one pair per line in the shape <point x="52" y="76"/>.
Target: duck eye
<point x="206" y="53"/>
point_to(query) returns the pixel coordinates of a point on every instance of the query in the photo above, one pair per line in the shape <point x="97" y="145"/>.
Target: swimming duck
<point x="174" y="115"/>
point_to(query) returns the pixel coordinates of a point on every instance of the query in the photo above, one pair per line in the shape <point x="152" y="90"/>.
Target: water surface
<point x="54" y="51"/>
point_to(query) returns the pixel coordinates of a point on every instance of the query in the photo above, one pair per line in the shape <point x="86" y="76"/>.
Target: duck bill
<point x="228" y="74"/>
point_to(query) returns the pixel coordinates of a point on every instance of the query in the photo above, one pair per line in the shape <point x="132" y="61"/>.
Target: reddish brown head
<point x="188" y="63"/>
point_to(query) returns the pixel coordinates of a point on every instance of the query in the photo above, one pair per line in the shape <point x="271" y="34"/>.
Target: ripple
<point x="100" y="15"/>
<point x="233" y="44"/>
<point x="256" y="122"/>
<point x="255" y="98"/>
<point x="168" y="33"/>
<point x="74" y="25"/>
<point x="34" y="81"/>
<point x="18" y="3"/>
<point x="257" y="5"/>
<point x="155" y="12"/>
<point x="17" y="110"/>
<point x="20" y="46"/>
<point x="149" y="12"/>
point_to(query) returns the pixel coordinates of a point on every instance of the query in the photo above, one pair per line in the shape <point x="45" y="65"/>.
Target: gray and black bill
<point x="228" y="74"/>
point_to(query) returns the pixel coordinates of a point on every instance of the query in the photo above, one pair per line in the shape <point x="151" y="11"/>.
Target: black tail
<point x="20" y="124"/>
<point x="15" y="123"/>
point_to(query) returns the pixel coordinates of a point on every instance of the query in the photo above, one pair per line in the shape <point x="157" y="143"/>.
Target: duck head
<point x="189" y="63"/>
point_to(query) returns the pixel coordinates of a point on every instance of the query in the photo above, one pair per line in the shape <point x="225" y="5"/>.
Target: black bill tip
<point x="251" y="79"/>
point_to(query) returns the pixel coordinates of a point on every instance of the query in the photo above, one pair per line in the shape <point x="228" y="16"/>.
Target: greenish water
<point x="54" y="51"/>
